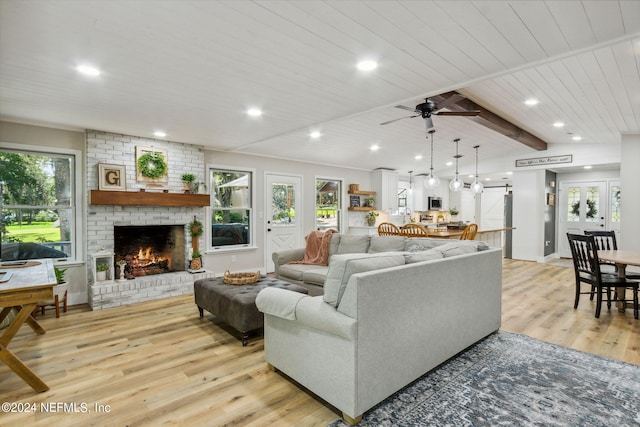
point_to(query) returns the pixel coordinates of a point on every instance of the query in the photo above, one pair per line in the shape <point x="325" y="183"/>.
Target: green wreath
<point x="152" y="165"/>
<point x="592" y="210"/>
<point x="195" y="228"/>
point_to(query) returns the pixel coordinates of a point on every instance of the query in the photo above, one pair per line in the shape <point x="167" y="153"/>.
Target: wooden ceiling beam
<point x="492" y="121"/>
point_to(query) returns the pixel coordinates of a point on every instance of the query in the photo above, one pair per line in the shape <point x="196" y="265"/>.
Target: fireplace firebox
<point x="150" y="249"/>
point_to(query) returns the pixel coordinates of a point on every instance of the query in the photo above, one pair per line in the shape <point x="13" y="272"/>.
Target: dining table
<point x="621" y="258"/>
<point x="22" y="285"/>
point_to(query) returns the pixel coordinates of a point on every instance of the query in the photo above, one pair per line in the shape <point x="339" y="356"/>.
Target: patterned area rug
<point x="510" y="379"/>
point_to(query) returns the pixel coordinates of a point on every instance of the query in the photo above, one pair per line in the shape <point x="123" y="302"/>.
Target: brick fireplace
<point x="150" y="249"/>
<point x="104" y="220"/>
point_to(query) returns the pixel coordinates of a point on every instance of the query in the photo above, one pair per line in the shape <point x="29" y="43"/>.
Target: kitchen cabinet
<point x="385" y="184"/>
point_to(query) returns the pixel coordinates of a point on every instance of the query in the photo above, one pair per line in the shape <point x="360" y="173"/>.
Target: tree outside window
<point x="37" y="210"/>
<point x="231" y="208"/>
<point x="328" y="196"/>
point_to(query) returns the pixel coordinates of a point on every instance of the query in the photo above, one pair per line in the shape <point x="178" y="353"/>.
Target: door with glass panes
<point x="583" y="206"/>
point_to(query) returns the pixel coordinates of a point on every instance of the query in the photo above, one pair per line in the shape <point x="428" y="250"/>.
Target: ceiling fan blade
<point x="401" y="118"/>
<point x="428" y="123"/>
<point x="458" y="113"/>
<point x="407" y="108"/>
<point x="450" y="101"/>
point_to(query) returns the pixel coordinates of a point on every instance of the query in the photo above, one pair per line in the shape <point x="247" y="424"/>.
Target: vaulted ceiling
<point x="193" y="68"/>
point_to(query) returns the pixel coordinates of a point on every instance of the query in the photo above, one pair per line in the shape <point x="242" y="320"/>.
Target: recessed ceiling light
<point x="375" y="148"/>
<point x="588" y="167"/>
<point x="254" y="112"/>
<point x="531" y="102"/>
<point x="509" y="173"/>
<point x="315" y="134"/>
<point x="471" y="176"/>
<point x="558" y="125"/>
<point x="418" y="157"/>
<point x="576" y="138"/>
<point x="449" y="163"/>
<point x="367" y="65"/>
<point x="487" y="179"/>
<point x="88" y="70"/>
<point x="159" y="134"/>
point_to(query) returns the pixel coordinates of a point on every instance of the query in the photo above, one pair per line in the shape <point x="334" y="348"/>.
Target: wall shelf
<point x="147" y="198"/>
<point x="357" y="195"/>
<point x="361" y="208"/>
<point x="363" y="193"/>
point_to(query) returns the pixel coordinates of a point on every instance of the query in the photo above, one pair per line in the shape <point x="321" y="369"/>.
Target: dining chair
<point x="469" y="232"/>
<point x="388" y="229"/>
<point x="412" y="229"/>
<point x="586" y="266"/>
<point x="606" y="241"/>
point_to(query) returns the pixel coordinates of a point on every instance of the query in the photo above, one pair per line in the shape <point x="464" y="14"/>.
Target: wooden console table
<point x="27" y="286"/>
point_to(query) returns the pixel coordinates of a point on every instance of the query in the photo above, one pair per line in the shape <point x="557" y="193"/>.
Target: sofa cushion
<point x="428" y="255"/>
<point x="351" y="244"/>
<point x="379" y="244"/>
<point x="315" y="276"/>
<point x="342" y="266"/>
<point x="333" y="245"/>
<point x="295" y="271"/>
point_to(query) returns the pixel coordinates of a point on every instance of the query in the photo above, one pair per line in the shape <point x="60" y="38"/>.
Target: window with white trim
<point x="231" y="208"/>
<point x="39" y="205"/>
<point x="328" y="197"/>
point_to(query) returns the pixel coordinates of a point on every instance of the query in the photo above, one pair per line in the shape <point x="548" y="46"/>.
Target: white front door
<point x="583" y="206"/>
<point x="283" y="214"/>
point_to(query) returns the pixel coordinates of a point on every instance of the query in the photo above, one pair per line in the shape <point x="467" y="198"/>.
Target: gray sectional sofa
<point x="384" y="317"/>
<point x="313" y="277"/>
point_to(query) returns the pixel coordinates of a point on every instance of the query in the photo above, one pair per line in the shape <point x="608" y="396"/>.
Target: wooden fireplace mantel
<point x="147" y="198"/>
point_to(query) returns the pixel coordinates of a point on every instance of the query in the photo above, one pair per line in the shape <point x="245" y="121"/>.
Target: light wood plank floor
<point x="158" y="363"/>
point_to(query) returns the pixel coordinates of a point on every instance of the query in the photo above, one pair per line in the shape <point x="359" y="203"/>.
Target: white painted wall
<point x="253" y="259"/>
<point x="528" y="215"/>
<point x="630" y="196"/>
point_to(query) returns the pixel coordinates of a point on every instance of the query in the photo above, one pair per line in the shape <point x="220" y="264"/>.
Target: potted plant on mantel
<point x="187" y="180"/>
<point x="195" y="230"/>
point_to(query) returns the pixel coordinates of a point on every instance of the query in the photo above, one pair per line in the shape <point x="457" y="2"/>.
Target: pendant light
<point x="456" y="184"/>
<point x="477" y="186"/>
<point x="432" y="182"/>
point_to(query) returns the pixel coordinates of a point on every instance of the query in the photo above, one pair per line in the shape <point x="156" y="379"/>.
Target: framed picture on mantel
<point x="111" y="177"/>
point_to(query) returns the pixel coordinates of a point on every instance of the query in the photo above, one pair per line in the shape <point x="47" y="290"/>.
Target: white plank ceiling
<point x="192" y="68"/>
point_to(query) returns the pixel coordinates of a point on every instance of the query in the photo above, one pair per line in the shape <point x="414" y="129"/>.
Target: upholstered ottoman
<point x="235" y="305"/>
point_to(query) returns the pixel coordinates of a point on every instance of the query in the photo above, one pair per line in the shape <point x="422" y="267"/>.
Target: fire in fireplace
<point x="150" y="249"/>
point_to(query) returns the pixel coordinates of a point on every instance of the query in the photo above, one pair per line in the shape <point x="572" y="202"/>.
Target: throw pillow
<point x="428" y="255"/>
<point x="458" y="247"/>
<point x="343" y="266"/>
<point x="423" y="243"/>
